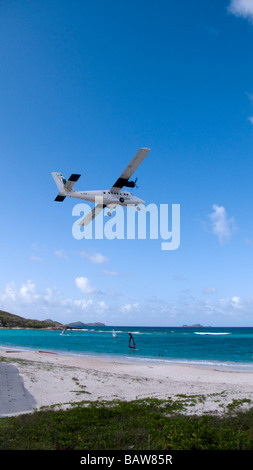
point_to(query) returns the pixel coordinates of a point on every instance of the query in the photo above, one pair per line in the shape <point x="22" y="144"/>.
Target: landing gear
<point x="109" y="213"/>
<point x="138" y="208"/>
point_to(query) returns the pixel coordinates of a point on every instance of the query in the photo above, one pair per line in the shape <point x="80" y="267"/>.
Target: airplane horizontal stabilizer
<point x="60" y="198"/>
<point x="68" y="186"/>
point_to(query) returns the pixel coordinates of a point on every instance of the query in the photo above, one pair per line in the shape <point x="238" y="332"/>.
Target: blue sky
<point x="84" y="85"/>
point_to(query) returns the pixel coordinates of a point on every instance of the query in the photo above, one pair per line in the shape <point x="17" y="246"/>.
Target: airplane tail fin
<point x="65" y="186"/>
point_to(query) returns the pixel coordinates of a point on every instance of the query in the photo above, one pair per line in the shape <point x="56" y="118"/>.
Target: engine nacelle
<point x="130" y="184"/>
<point x="124" y="182"/>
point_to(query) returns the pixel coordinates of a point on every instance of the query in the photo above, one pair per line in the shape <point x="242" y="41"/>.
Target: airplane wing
<point x="130" y="169"/>
<point x="121" y="181"/>
<point x="92" y="214"/>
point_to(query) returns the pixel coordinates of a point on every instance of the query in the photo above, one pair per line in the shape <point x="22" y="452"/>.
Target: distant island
<point x="196" y="325"/>
<point x="9" y="320"/>
<point x="80" y="324"/>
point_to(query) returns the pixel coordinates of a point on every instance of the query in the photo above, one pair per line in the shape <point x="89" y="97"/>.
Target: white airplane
<point x="109" y="198"/>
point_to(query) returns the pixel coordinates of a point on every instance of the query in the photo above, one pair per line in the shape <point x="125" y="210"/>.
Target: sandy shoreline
<point x="56" y="379"/>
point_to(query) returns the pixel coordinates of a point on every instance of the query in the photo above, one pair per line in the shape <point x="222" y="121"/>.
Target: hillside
<point x="8" y="320"/>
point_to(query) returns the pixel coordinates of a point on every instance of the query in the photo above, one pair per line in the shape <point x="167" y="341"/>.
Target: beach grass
<point x="149" y="424"/>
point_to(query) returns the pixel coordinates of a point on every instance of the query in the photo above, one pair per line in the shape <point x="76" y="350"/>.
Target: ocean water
<point x="220" y="347"/>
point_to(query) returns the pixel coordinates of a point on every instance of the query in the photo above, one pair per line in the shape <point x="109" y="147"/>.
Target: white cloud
<point x="179" y="277"/>
<point x="60" y="254"/>
<point x="251" y="119"/>
<point x="10" y="292"/>
<point x="36" y="258"/>
<point x="110" y="273"/>
<point x="96" y="258"/>
<point x="236" y="302"/>
<point x="85" y="285"/>
<point x="130" y="307"/>
<point x="82" y="303"/>
<point x="25" y="296"/>
<point x="209" y="290"/>
<point x="222" y="226"/>
<point x="29" y="302"/>
<point x="28" y="292"/>
<point x="232" y="304"/>
<point x="102" y="306"/>
<point x="242" y="8"/>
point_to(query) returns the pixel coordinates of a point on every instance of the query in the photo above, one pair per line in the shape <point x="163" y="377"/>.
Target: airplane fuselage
<point x="110" y="197"/>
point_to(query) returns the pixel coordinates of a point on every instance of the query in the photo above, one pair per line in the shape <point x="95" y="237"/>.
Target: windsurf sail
<point x="131" y="341"/>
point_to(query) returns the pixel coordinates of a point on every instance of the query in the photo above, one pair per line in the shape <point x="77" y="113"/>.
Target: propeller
<point x="135" y="185"/>
<point x="131" y="184"/>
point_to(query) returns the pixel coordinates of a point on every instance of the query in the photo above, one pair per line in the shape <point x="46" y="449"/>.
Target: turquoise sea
<point x="221" y="347"/>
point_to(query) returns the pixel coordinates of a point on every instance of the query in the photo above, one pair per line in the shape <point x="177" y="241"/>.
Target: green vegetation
<point x="140" y="425"/>
<point x="8" y="320"/>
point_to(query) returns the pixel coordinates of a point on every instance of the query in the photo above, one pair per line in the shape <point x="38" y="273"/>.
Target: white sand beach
<point x="55" y="379"/>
